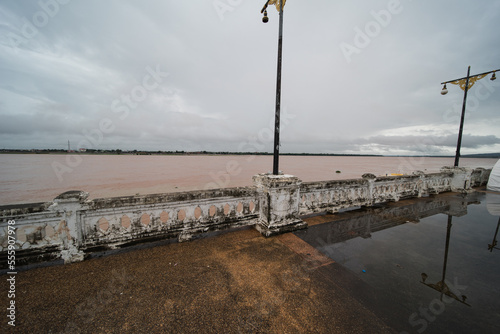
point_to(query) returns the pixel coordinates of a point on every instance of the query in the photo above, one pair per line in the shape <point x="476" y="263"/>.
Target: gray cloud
<point x="59" y="80"/>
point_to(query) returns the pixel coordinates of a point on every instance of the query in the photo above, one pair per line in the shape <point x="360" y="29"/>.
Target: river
<point x="28" y="178"/>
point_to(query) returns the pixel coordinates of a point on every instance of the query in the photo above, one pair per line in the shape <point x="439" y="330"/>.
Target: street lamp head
<point x="445" y="90"/>
<point x="265" y="19"/>
<point x="424" y="277"/>
<point x="493" y="77"/>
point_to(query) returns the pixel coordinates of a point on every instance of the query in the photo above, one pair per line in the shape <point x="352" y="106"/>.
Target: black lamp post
<point x="465" y="83"/>
<point x="279" y="5"/>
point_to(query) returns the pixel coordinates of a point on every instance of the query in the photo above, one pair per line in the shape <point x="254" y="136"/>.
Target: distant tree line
<point x="177" y="152"/>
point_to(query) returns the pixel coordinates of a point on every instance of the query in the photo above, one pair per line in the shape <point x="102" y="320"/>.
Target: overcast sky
<point x="358" y="76"/>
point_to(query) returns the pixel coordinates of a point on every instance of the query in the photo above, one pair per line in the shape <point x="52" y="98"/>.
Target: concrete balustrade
<point x="72" y="226"/>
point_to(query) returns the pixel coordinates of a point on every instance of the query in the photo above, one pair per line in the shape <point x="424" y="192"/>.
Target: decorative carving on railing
<point x="72" y="226"/>
<point x="333" y="196"/>
<point x="182" y="219"/>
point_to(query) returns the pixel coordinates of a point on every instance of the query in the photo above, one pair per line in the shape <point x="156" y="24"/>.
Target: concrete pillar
<point x="68" y="205"/>
<point x="279" y="199"/>
<point x="370" y="178"/>
<point x="462" y="180"/>
<point x="480" y="177"/>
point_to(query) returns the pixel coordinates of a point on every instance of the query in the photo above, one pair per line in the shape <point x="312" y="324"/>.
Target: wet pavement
<point x="238" y="282"/>
<point x="430" y="266"/>
<point x="352" y="272"/>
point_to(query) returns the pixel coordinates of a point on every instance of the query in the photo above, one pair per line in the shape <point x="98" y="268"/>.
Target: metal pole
<point x="494" y="242"/>
<point x="448" y="230"/>
<point x="459" y="142"/>
<point x="278" y="98"/>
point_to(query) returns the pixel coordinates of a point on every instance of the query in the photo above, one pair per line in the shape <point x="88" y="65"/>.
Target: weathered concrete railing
<point x="377" y="219"/>
<point x="182" y="215"/>
<point x="332" y="196"/>
<point x="72" y="226"/>
<point x="479" y="177"/>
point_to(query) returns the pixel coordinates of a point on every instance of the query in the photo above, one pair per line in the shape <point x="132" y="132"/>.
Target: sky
<point x="358" y="77"/>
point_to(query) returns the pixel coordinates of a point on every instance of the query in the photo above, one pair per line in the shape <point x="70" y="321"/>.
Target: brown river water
<point x="29" y="178"/>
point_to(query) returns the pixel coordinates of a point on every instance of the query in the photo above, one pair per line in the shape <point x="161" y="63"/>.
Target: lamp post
<point x="465" y="84"/>
<point x="279" y="6"/>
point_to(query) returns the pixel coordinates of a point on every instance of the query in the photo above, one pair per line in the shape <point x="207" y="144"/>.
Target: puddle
<point x="429" y="266"/>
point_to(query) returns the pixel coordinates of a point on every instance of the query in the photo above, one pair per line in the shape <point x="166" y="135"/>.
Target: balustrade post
<point x="370" y="178"/>
<point x="279" y="199"/>
<point x="68" y="205"/>
<point x="461" y="180"/>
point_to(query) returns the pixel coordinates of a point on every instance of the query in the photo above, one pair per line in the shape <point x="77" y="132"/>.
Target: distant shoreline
<point x="137" y="152"/>
<point x="140" y="152"/>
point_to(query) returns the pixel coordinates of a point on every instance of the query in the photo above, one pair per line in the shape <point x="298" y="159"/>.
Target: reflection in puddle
<point x="441" y="286"/>
<point x="425" y="265"/>
<point x="494" y="242"/>
<point x="494" y="209"/>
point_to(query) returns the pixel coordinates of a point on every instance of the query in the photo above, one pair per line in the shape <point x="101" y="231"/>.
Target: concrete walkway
<point x="237" y="282"/>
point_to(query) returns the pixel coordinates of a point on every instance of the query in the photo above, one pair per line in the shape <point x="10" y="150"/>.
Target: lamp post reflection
<point x="441" y="286"/>
<point x="494" y="242"/>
